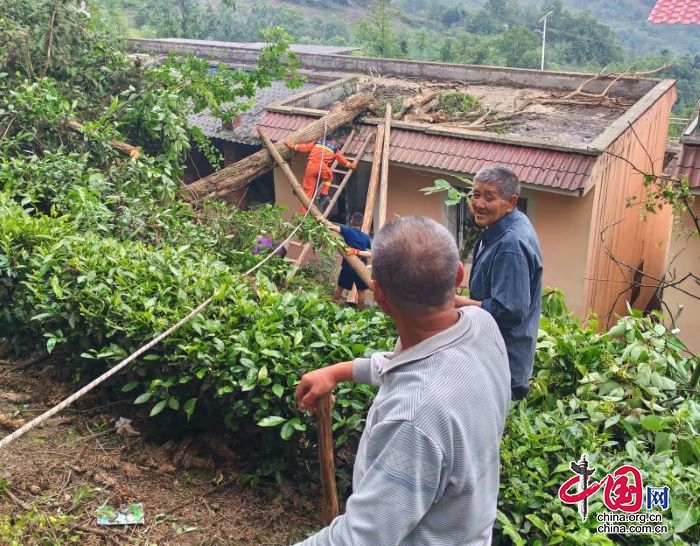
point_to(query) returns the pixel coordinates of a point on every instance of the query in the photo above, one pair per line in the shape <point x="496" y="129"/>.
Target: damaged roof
<point x="540" y="167"/>
<point x="244" y="126"/>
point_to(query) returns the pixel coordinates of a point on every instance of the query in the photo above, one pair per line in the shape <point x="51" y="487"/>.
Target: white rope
<point x="72" y="398"/>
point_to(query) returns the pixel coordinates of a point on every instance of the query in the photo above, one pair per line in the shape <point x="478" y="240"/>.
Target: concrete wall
<point x="516" y="77"/>
<point x="562" y="224"/>
<point x="684" y="258"/>
<point x="618" y="238"/>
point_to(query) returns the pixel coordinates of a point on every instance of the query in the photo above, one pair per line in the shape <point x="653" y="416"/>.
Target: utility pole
<point x="544" y="35"/>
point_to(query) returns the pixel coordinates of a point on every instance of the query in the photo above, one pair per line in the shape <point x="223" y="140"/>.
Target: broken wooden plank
<point x="373" y="179"/>
<point x="244" y="171"/>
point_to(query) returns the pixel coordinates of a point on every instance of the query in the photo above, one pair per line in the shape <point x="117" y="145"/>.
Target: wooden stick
<point x="371" y="194"/>
<point x="373" y="180"/>
<point x="326" y="458"/>
<point x="384" y="182"/>
<point x="357" y="264"/>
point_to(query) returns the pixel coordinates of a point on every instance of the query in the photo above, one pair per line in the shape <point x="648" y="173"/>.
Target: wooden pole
<point x="384" y="182"/>
<point x="326" y="458"/>
<point x="242" y="172"/>
<point x="371" y="194"/>
<point x="357" y="264"/>
<point x="373" y="180"/>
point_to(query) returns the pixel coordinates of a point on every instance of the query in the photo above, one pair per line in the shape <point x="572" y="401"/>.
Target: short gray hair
<point x="414" y="259"/>
<point x="501" y="177"/>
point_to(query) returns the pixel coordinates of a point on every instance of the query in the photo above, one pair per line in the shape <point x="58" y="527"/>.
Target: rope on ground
<point x="116" y="369"/>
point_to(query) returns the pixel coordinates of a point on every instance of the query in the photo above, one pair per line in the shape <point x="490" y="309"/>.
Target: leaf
<point x="684" y="516"/>
<point x="298" y="336"/>
<point x="130" y="386"/>
<point x="160" y="406"/>
<point x="173" y="403"/>
<point x="653" y="423"/>
<point x="287" y="431"/>
<point x="278" y="390"/>
<point x="687" y="452"/>
<point x="537" y="522"/>
<point x="145" y="397"/>
<point x="188" y="408"/>
<point x="662" y="441"/>
<point x="51" y="343"/>
<point x="56" y="287"/>
<point x="271" y="421"/>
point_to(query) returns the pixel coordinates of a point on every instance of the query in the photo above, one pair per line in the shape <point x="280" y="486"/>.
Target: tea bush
<point x="621" y="398"/>
<point x="101" y="298"/>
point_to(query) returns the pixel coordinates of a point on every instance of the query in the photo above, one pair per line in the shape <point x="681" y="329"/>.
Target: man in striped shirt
<point x="427" y="467"/>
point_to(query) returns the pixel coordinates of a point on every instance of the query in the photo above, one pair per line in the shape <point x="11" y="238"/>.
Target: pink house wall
<point x="562" y="224"/>
<point x="684" y="258"/>
<point x="619" y="238"/>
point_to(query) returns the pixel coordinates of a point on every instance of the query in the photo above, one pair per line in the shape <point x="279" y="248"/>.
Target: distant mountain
<point x="628" y="19"/>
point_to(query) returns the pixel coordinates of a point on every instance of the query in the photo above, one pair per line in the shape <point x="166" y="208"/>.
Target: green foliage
<point x="376" y="30"/>
<point x="519" y="47"/>
<point x="455" y="104"/>
<point x="35" y="527"/>
<point x="470" y="231"/>
<point x="619" y="397"/>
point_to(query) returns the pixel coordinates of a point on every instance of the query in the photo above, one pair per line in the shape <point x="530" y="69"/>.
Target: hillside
<point x="628" y="19"/>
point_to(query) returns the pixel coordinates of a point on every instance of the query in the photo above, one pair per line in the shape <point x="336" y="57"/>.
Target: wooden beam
<point x="326" y="458"/>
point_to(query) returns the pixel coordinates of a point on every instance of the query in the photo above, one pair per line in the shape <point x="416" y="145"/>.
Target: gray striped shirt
<point x="427" y="467"/>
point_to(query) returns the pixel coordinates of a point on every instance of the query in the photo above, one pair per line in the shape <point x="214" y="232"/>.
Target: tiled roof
<point x="685" y="12"/>
<point x="243" y="131"/>
<point x="689" y="165"/>
<point x="537" y="166"/>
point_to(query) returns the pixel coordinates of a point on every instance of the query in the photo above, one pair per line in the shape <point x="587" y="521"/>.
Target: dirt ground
<point x="191" y="491"/>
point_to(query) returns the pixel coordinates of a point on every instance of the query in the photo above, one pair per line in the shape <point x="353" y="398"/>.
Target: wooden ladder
<point x="307" y="248"/>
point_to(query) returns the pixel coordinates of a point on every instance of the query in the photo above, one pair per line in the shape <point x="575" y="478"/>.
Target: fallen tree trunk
<point x="415" y="103"/>
<point x="244" y="171"/>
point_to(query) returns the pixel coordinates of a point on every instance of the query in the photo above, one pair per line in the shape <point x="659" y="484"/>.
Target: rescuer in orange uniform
<point x="321" y="156"/>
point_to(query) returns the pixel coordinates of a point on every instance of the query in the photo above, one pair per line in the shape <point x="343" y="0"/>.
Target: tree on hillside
<point x="579" y="39"/>
<point x="375" y="30"/>
<point x="519" y="46"/>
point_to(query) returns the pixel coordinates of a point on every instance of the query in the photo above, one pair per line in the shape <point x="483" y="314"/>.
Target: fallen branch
<point x="123" y="147"/>
<point x="415" y="103"/>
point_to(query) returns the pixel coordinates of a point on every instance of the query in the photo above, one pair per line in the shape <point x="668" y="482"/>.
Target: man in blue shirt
<point x="506" y="274"/>
<point x="358" y="245"/>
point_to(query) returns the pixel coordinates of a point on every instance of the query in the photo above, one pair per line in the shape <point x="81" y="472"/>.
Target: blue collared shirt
<point x="506" y="277"/>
